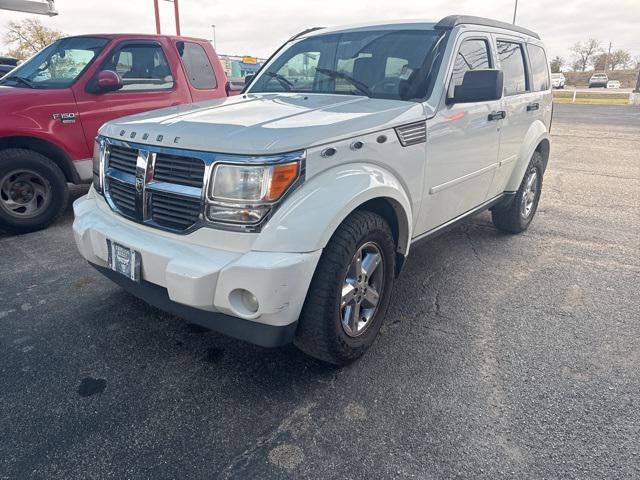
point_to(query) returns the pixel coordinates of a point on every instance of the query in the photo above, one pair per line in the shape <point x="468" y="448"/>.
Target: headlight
<point x="245" y="193"/>
<point x="98" y="147"/>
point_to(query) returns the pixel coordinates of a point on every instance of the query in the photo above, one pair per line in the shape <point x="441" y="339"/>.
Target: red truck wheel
<point x="33" y="191"/>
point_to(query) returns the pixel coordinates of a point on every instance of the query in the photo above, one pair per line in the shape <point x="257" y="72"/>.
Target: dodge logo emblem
<point x="139" y="184"/>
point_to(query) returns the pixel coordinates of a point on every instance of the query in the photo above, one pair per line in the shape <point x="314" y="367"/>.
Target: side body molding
<point x="307" y="219"/>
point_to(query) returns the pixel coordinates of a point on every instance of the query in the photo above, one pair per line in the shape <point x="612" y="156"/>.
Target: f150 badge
<point x="65" y="117"/>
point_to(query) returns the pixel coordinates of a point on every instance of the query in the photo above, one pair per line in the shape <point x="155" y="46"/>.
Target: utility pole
<point x="176" y="11"/>
<point x="515" y="11"/>
<point x="214" y="36"/>
<point x="606" y="60"/>
<point x="157" y="10"/>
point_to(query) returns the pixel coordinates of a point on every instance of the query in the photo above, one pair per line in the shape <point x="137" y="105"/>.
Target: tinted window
<point x="197" y="64"/>
<point x="378" y="63"/>
<point x="60" y="64"/>
<point x="473" y="55"/>
<point x="539" y="68"/>
<point x="141" y="67"/>
<point x="512" y="64"/>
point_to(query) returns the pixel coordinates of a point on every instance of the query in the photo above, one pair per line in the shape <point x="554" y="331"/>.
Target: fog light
<point x="250" y="301"/>
<point x="243" y="301"/>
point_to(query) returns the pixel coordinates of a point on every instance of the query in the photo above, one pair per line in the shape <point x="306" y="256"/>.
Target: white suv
<point x="285" y="213"/>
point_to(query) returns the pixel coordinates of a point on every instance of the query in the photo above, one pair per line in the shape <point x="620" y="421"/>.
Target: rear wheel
<point x="517" y="216"/>
<point x="33" y="191"/>
<point x="350" y="290"/>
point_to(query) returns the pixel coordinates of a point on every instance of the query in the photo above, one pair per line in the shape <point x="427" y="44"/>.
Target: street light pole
<point x="515" y="11"/>
<point x="214" y="36"/>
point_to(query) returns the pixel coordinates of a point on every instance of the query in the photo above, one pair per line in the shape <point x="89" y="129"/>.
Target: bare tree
<point x="619" y="58"/>
<point x="556" y="64"/>
<point x="583" y="53"/>
<point x="29" y="37"/>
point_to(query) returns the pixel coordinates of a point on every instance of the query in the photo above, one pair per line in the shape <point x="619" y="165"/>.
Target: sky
<point x="254" y="27"/>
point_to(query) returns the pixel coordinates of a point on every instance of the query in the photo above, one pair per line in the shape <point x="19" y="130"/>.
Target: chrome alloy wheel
<point x="530" y="193"/>
<point x="362" y="289"/>
<point x="24" y="193"/>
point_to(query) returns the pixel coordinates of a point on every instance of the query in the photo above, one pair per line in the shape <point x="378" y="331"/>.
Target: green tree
<point x="28" y="37"/>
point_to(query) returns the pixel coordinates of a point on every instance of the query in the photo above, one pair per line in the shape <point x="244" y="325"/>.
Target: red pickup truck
<point x="53" y="105"/>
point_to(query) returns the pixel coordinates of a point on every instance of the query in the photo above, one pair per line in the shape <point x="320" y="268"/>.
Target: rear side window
<point x="512" y="64"/>
<point x="473" y="55"/>
<point x="142" y="67"/>
<point x="197" y="64"/>
<point x="539" y="69"/>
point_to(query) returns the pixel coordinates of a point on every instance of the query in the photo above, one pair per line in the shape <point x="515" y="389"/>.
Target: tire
<point x="33" y="191"/>
<point x="517" y="216"/>
<point x="321" y="332"/>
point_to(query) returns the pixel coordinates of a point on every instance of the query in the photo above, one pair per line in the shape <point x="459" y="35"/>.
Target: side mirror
<point x="234" y="86"/>
<point x="478" y="86"/>
<point x="108" y="81"/>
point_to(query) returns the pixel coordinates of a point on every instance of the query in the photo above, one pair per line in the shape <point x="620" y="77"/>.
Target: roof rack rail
<point x="451" y="21"/>
<point x="304" y="32"/>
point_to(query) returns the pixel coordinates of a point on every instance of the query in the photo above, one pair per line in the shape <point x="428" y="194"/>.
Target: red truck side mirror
<point x="108" y="81"/>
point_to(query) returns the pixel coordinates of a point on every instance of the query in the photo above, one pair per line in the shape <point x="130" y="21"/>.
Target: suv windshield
<point x="392" y="64"/>
<point x="58" y="65"/>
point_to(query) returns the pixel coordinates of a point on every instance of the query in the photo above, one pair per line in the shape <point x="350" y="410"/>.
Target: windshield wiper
<point x="21" y="80"/>
<point x="361" y="86"/>
<point x="284" y="81"/>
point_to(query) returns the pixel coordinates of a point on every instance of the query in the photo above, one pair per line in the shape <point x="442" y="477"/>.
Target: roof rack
<point x="304" y="32"/>
<point x="447" y="23"/>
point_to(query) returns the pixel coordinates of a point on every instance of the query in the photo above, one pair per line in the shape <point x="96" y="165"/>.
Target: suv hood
<point x="264" y="123"/>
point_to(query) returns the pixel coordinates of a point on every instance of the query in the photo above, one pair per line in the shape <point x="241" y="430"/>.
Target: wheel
<point x="350" y="290"/>
<point x="33" y="191"/>
<point x="517" y="216"/>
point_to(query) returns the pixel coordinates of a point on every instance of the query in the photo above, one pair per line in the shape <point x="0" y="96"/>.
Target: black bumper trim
<point x="247" y="330"/>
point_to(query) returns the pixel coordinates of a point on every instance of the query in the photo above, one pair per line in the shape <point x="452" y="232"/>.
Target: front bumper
<point x="199" y="281"/>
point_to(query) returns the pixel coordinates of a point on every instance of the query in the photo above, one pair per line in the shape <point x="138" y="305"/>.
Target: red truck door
<point x="202" y="69"/>
<point x="151" y="79"/>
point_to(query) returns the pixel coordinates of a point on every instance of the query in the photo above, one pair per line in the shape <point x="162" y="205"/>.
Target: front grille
<point x="123" y="196"/>
<point x="123" y="159"/>
<point x="174" y="211"/>
<point x="164" y="192"/>
<point x="181" y="170"/>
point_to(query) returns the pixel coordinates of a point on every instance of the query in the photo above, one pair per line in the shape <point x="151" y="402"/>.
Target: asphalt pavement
<point x="502" y="356"/>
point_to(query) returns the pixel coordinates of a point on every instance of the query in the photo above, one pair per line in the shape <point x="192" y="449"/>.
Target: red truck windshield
<point x="58" y="65"/>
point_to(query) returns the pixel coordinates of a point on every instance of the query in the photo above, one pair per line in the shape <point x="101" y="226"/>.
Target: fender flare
<point x="309" y="216"/>
<point x="45" y="146"/>
<point x="536" y="134"/>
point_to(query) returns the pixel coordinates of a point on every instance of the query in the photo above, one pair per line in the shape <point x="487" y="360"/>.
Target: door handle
<point x="497" y="115"/>
<point x="533" y="106"/>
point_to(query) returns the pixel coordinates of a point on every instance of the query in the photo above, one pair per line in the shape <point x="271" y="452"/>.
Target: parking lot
<point x="502" y="356"/>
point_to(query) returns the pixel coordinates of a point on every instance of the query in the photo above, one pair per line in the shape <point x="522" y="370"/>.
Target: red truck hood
<point x="264" y="123"/>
